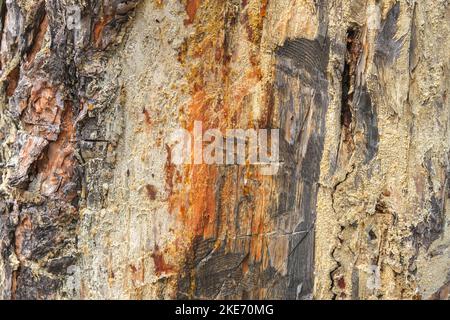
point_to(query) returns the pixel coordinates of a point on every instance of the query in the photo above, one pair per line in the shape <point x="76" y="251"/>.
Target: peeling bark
<point x="92" y="205"/>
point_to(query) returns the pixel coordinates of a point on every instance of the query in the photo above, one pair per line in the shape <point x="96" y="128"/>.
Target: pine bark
<point x="92" y="207"/>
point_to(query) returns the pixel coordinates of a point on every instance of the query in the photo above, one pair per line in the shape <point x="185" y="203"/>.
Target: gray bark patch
<point x="387" y="47"/>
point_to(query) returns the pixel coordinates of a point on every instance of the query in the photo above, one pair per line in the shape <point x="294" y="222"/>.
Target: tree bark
<point x="92" y="205"/>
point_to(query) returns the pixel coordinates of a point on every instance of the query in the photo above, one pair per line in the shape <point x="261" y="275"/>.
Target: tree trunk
<point x="92" y="204"/>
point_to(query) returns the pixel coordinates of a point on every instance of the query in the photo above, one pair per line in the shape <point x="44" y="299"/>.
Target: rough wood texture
<point x="91" y="205"/>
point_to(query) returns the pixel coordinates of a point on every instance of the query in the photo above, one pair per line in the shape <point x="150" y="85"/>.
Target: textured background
<point x="92" y="207"/>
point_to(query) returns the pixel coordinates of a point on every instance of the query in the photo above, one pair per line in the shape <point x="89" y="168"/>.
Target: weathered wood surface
<point x="92" y="207"/>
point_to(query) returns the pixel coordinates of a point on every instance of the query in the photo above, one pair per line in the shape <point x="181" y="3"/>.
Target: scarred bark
<point x="92" y="205"/>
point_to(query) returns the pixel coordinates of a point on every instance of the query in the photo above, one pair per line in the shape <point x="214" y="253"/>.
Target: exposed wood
<point x="92" y="204"/>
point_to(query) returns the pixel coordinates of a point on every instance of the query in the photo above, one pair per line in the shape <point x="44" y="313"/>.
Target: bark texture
<point x="91" y="205"/>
